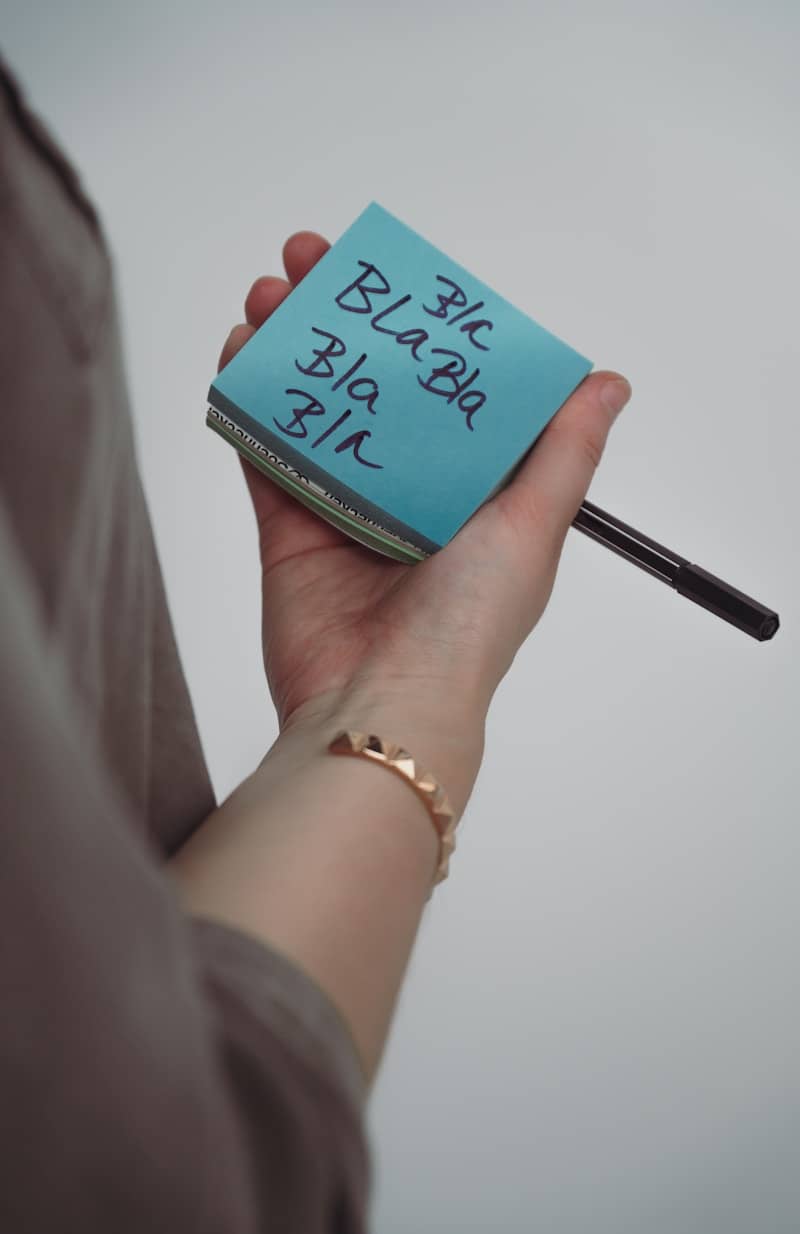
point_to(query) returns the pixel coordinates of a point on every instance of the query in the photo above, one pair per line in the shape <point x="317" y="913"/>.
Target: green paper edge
<point x="339" y="519"/>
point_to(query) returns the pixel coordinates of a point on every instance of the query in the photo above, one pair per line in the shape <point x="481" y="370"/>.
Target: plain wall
<point x="599" y="1031"/>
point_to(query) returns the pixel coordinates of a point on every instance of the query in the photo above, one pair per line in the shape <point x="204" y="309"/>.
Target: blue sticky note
<point x="393" y="374"/>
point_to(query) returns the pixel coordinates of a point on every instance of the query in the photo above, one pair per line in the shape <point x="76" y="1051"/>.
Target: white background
<point x="600" y="1027"/>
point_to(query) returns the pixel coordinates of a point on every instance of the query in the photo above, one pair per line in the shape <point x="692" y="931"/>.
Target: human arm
<point x="329" y="860"/>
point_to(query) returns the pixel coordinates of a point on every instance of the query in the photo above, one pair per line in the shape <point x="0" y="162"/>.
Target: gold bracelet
<point x="425" y="785"/>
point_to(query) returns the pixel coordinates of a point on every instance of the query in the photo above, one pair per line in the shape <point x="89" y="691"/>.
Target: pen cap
<point x="726" y="602"/>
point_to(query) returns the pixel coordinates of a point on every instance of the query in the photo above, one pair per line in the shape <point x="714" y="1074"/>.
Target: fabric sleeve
<point x="157" y="1073"/>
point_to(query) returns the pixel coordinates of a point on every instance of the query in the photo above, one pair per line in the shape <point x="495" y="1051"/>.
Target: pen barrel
<point x="726" y="602"/>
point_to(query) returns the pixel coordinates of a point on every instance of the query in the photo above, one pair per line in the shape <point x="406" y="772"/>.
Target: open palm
<point x="335" y="612"/>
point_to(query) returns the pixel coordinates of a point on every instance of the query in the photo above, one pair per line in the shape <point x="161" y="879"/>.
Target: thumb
<point x="547" y="491"/>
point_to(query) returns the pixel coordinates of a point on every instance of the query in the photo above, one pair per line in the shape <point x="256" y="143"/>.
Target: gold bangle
<point x="424" y="784"/>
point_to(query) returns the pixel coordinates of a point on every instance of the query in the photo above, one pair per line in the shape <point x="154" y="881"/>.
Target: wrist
<point x="443" y="733"/>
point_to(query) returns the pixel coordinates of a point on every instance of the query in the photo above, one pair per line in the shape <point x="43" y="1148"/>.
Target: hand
<point x="337" y="616"/>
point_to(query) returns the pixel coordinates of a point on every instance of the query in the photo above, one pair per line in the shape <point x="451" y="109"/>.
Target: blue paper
<point x="394" y="372"/>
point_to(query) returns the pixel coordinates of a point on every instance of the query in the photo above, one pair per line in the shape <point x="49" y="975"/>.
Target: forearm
<point x="330" y="860"/>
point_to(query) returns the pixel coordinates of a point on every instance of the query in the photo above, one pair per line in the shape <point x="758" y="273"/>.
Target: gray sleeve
<point x="156" y="1073"/>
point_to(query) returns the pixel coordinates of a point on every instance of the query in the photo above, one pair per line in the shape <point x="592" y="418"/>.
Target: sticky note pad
<point x="393" y="391"/>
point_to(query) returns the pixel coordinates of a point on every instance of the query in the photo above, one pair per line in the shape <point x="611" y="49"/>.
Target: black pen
<point x="687" y="579"/>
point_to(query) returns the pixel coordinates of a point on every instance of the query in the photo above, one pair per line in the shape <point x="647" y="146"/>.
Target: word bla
<point x="448" y="377"/>
<point x="312" y="407"/>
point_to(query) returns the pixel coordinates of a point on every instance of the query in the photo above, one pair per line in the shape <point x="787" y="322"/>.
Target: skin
<point x="327" y="859"/>
<point x="334" y="611"/>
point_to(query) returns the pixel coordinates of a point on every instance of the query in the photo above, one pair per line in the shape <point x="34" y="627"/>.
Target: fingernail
<point x="615" y="394"/>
